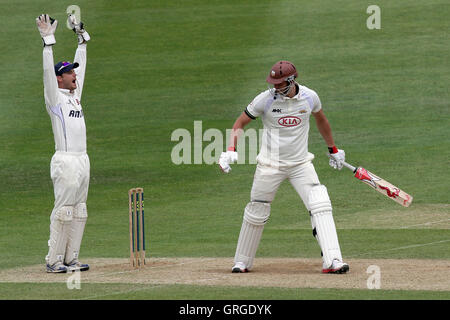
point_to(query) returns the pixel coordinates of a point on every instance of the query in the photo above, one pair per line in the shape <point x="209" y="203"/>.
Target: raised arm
<point x="81" y="58"/>
<point x="80" y="55"/>
<point x="50" y="82"/>
<point x="47" y="27"/>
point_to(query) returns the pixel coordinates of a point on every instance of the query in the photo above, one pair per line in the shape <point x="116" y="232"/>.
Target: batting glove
<point x="226" y="158"/>
<point x="78" y="28"/>
<point x="337" y="157"/>
<point x="47" y="27"/>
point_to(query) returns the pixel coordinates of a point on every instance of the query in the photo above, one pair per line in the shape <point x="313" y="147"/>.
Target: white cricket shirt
<point x="64" y="107"/>
<point x="286" y="126"/>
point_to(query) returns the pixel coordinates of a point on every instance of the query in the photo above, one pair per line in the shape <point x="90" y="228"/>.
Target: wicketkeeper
<point x="285" y="110"/>
<point x="69" y="168"/>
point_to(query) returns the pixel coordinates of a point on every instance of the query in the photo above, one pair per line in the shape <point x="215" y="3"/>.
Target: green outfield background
<point x="157" y="66"/>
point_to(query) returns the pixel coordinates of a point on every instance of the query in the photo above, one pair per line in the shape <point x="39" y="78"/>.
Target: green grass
<point x="154" y="67"/>
<point x="184" y="292"/>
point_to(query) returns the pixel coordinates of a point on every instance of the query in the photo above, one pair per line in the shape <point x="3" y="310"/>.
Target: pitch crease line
<point x="425" y="223"/>
<point x="401" y="248"/>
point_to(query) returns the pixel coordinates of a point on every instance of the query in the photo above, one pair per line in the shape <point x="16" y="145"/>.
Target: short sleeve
<point x="313" y="99"/>
<point x="256" y="107"/>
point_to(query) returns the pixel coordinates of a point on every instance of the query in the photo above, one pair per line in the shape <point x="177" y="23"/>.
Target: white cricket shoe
<point x="76" y="265"/>
<point x="336" y="267"/>
<point x="57" y="267"/>
<point x="239" y="267"/>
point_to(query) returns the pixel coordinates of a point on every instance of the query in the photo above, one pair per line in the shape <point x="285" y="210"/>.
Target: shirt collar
<point x="65" y="91"/>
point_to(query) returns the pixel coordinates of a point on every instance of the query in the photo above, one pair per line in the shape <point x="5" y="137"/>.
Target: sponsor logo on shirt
<point x="76" y="114"/>
<point x="289" y="121"/>
<point x="276" y="110"/>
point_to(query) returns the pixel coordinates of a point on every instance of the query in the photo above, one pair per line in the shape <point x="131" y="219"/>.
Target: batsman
<point x="69" y="167"/>
<point x="285" y="110"/>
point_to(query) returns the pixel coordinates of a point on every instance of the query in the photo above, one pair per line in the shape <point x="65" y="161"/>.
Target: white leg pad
<point x="76" y="232"/>
<point x="256" y="215"/>
<point x="59" y="229"/>
<point x="322" y="220"/>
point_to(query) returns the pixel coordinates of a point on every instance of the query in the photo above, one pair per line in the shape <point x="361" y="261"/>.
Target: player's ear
<point x="59" y="79"/>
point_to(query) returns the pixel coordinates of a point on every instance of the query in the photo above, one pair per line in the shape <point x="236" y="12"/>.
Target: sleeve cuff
<point x="49" y="40"/>
<point x="249" y="114"/>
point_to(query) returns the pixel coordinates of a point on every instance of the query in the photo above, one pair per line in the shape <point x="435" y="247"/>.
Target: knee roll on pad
<point x="64" y="214"/>
<point x="80" y="211"/>
<point x="257" y="213"/>
<point x="318" y="200"/>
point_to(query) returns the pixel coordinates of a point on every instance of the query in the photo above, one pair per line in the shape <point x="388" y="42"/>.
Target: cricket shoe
<point x="76" y="265"/>
<point x="57" y="267"/>
<point x="239" y="267"/>
<point x="336" y="267"/>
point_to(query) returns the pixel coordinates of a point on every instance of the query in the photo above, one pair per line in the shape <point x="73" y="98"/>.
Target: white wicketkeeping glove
<point x="226" y="158"/>
<point x="336" y="159"/>
<point x="47" y="27"/>
<point x="78" y="28"/>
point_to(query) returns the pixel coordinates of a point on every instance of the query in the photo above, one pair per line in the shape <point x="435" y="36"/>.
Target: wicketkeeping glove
<point x="337" y="156"/>
<point x="47" y="27"/>
<point x="226" y="158"/>
<point x="78" y="28"/>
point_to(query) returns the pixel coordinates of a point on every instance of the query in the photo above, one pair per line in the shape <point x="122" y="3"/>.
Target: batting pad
<point x="256" y="215"/>
<point x="76" y="232"/>
<point x="59" y="229"/>
<point x="322" y="220"/>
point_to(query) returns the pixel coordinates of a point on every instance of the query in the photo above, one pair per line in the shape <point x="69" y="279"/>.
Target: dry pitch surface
<point x="396" y="274"/>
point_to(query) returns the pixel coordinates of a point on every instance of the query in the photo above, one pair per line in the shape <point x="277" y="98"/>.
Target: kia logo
<point x="290" y="121"/>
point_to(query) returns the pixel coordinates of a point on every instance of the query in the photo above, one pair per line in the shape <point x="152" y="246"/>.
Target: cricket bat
<point x="381" y="185"/>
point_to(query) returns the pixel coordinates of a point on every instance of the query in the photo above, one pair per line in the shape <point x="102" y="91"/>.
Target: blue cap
<point x="64" y="66"/>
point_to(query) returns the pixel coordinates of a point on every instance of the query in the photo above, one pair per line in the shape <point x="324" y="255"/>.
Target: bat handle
<point x="349" y="166"/>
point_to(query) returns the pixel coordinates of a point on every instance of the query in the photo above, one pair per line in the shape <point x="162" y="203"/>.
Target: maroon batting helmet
<point x="282" y="71"/>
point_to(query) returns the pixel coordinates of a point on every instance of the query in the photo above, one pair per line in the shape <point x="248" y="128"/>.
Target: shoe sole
<point x="77" y="269"/>
<point x="343" y="269"/>
<point x="239" y="270"/>
<point x="56" y="271"/>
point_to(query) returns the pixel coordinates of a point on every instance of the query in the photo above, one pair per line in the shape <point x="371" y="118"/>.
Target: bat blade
<point x="383" y="186"/>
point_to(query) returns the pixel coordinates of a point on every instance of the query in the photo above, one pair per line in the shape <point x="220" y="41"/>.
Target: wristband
<point x="333" y="149"/>
<point x="49" y="40"/>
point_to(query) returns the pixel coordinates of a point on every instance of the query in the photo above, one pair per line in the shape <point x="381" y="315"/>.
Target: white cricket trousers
<point x="267" y="180"/>
<point x="70" y="175"/>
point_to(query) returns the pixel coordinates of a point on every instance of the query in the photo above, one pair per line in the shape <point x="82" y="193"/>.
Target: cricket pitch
<point x="395" y="274"/>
